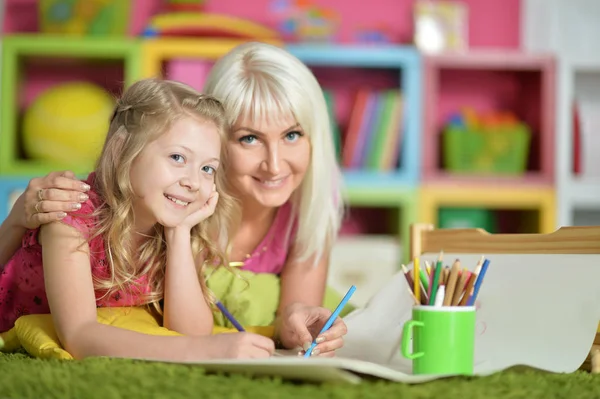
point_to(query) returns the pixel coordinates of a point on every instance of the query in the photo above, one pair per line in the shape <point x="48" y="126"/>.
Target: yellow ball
<point x="67" y="124"/>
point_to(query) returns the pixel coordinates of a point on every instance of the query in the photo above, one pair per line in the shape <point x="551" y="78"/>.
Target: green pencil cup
<point x="443" y="340"/>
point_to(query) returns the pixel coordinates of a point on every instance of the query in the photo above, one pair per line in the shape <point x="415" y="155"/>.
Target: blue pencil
<point x="484" y="268"/>
<point x="332" y="318"/>
<point x="229" y="316"/>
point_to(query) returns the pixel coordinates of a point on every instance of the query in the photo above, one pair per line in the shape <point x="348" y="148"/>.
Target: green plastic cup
<point x="443" y="340"/>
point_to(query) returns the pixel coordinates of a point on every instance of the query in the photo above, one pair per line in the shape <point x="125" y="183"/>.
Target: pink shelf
<point x="489" y="80"/>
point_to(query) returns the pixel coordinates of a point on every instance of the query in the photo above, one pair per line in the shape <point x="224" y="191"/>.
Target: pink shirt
<point x="22" y="278"/>
<point x="272" y="252"/>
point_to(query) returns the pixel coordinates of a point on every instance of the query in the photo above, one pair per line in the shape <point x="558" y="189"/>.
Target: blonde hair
<point x="263" y="82"/>
<point x="146" y="110"/>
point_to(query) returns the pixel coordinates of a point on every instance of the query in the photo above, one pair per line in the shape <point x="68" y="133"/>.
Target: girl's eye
<point x="293" y="136"/>
<point x="178" y="158"/>
<point x="209" y="169"/>
<point x="249" y="139"/>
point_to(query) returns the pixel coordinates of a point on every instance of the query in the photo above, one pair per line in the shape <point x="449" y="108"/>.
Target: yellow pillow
<point x="36" y="334"/>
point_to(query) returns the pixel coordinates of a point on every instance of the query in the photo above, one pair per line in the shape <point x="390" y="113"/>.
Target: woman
<point x="291" y="214"/>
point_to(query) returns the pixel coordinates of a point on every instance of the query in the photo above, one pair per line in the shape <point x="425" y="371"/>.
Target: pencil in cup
<point x="451" y="283"/>
<point x="470" y="285"/>
<point x="460" y="287"/>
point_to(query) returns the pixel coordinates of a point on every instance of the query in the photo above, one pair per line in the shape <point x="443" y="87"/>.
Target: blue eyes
<point x="181" y="159"/>
<point x="290" y="136"/>
<point x="209" y="169"/>
<point x="248" y="139"/>
<point x="178" y="158"/>
<point x="293" y="136"/>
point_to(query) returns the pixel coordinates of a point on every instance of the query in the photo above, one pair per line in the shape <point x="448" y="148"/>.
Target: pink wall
<point x="493" y="23"/>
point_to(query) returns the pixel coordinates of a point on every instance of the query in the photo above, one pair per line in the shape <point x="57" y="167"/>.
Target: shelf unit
<point x="366" y="188"/>
<point x="10" y="188"/>
<point x="540" y="200"/>
<point x="490" y="80"/>
<point x="578" y="80"/>
<point x="568" y="29"/>
<point x="17" y="47"/>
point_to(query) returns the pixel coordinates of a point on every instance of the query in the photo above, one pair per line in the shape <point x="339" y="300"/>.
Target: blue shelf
<point x="408" y="62"/>
<point x="373" y="179"/>
<point x="382" y="56"/>
<point x="9" y="185"/>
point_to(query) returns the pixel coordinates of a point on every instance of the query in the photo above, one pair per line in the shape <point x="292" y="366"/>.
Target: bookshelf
<point x="345" y="69"/>
<point x="488" y="81"/>
<point x="569" y="30"/>
<point x="579" y="176"/>
<point x="32" y="63"/>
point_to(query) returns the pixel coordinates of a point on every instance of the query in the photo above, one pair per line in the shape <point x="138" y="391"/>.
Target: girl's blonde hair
<point x="146" y="110"/>
<point x="263" y="82"/>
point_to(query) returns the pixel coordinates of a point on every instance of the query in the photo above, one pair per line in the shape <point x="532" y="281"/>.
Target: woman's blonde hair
<point x="264" y="82"/>
<point x="147" y="109"/>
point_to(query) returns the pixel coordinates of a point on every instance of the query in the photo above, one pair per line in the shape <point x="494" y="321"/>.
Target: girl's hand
<point x="299" y="325"/>
<point x="242" y="345"/>
<point x="48" y="198"/>
<point x="205" y="211"/>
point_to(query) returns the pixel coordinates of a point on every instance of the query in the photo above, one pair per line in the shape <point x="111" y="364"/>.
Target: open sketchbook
<point x="540" y="311"/>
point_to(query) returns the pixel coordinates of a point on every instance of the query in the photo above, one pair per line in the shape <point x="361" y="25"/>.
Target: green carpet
<point x="24" y="377"/>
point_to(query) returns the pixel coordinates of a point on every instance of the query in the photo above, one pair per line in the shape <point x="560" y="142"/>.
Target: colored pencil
<point x="408" y="277"/>
<point x="451" y="283"/>
<point x="332" y="318"/>
<point x="480" y="277"/>
<point x="436" y="279"/>
<point x="417" y="279"/>
<point x="229" y="316"/>
<point x="460" y="287"/>
<point x="424" y="282"/>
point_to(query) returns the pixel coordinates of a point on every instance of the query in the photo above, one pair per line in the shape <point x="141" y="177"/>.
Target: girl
<point x="291" y="213"/>
<point x="128" y="244"/>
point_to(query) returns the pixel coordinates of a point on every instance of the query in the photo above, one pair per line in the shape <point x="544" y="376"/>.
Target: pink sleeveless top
<point x="22" y="278"/>
<point x="271" y="253"/>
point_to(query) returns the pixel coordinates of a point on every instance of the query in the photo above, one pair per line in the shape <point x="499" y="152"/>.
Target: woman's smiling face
<point x="268" y="161"/>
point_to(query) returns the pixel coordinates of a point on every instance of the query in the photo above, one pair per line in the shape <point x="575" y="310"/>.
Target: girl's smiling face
<point x="174" y="174"/>
<point x="268" y="161"/>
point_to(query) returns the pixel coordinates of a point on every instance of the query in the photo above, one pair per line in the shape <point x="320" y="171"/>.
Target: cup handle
<point x="406" y="336"/>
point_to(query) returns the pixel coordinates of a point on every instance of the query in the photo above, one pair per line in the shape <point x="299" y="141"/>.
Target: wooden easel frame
<point x="424" y="238"/>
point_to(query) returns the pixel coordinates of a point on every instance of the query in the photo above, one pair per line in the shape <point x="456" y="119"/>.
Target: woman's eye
<point x="250" y="139"/>
<point x="293" y="136"/>
<point x="177" y="158"/>
<point x="209" y="169"/>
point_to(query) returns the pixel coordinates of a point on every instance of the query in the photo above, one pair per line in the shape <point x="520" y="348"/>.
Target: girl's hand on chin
<point x="202" y="213"/>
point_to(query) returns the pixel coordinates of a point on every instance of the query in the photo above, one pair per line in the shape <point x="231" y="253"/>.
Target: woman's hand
<point x="48" y="198"/>
<point x="299" y="325"/>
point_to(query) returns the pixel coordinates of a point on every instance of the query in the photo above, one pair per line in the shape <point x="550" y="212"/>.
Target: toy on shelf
<point x="373" y="34"/>
<point x="441" y="26"/>
<point x="67" y="124"/>
<point x="494" y="142"/>
<point x="185" y="5"/>
<point x="303" y="21"/>
<point x="84" y="17"/>
<point x="201" y="24"/>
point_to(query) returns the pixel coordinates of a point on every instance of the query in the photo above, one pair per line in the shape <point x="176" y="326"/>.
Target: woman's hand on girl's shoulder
<point x="49" y="198"/>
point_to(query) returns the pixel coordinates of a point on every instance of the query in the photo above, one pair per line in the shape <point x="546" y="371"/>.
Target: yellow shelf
<point x="431" y="199"/>
<point x="156" y="51"/>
